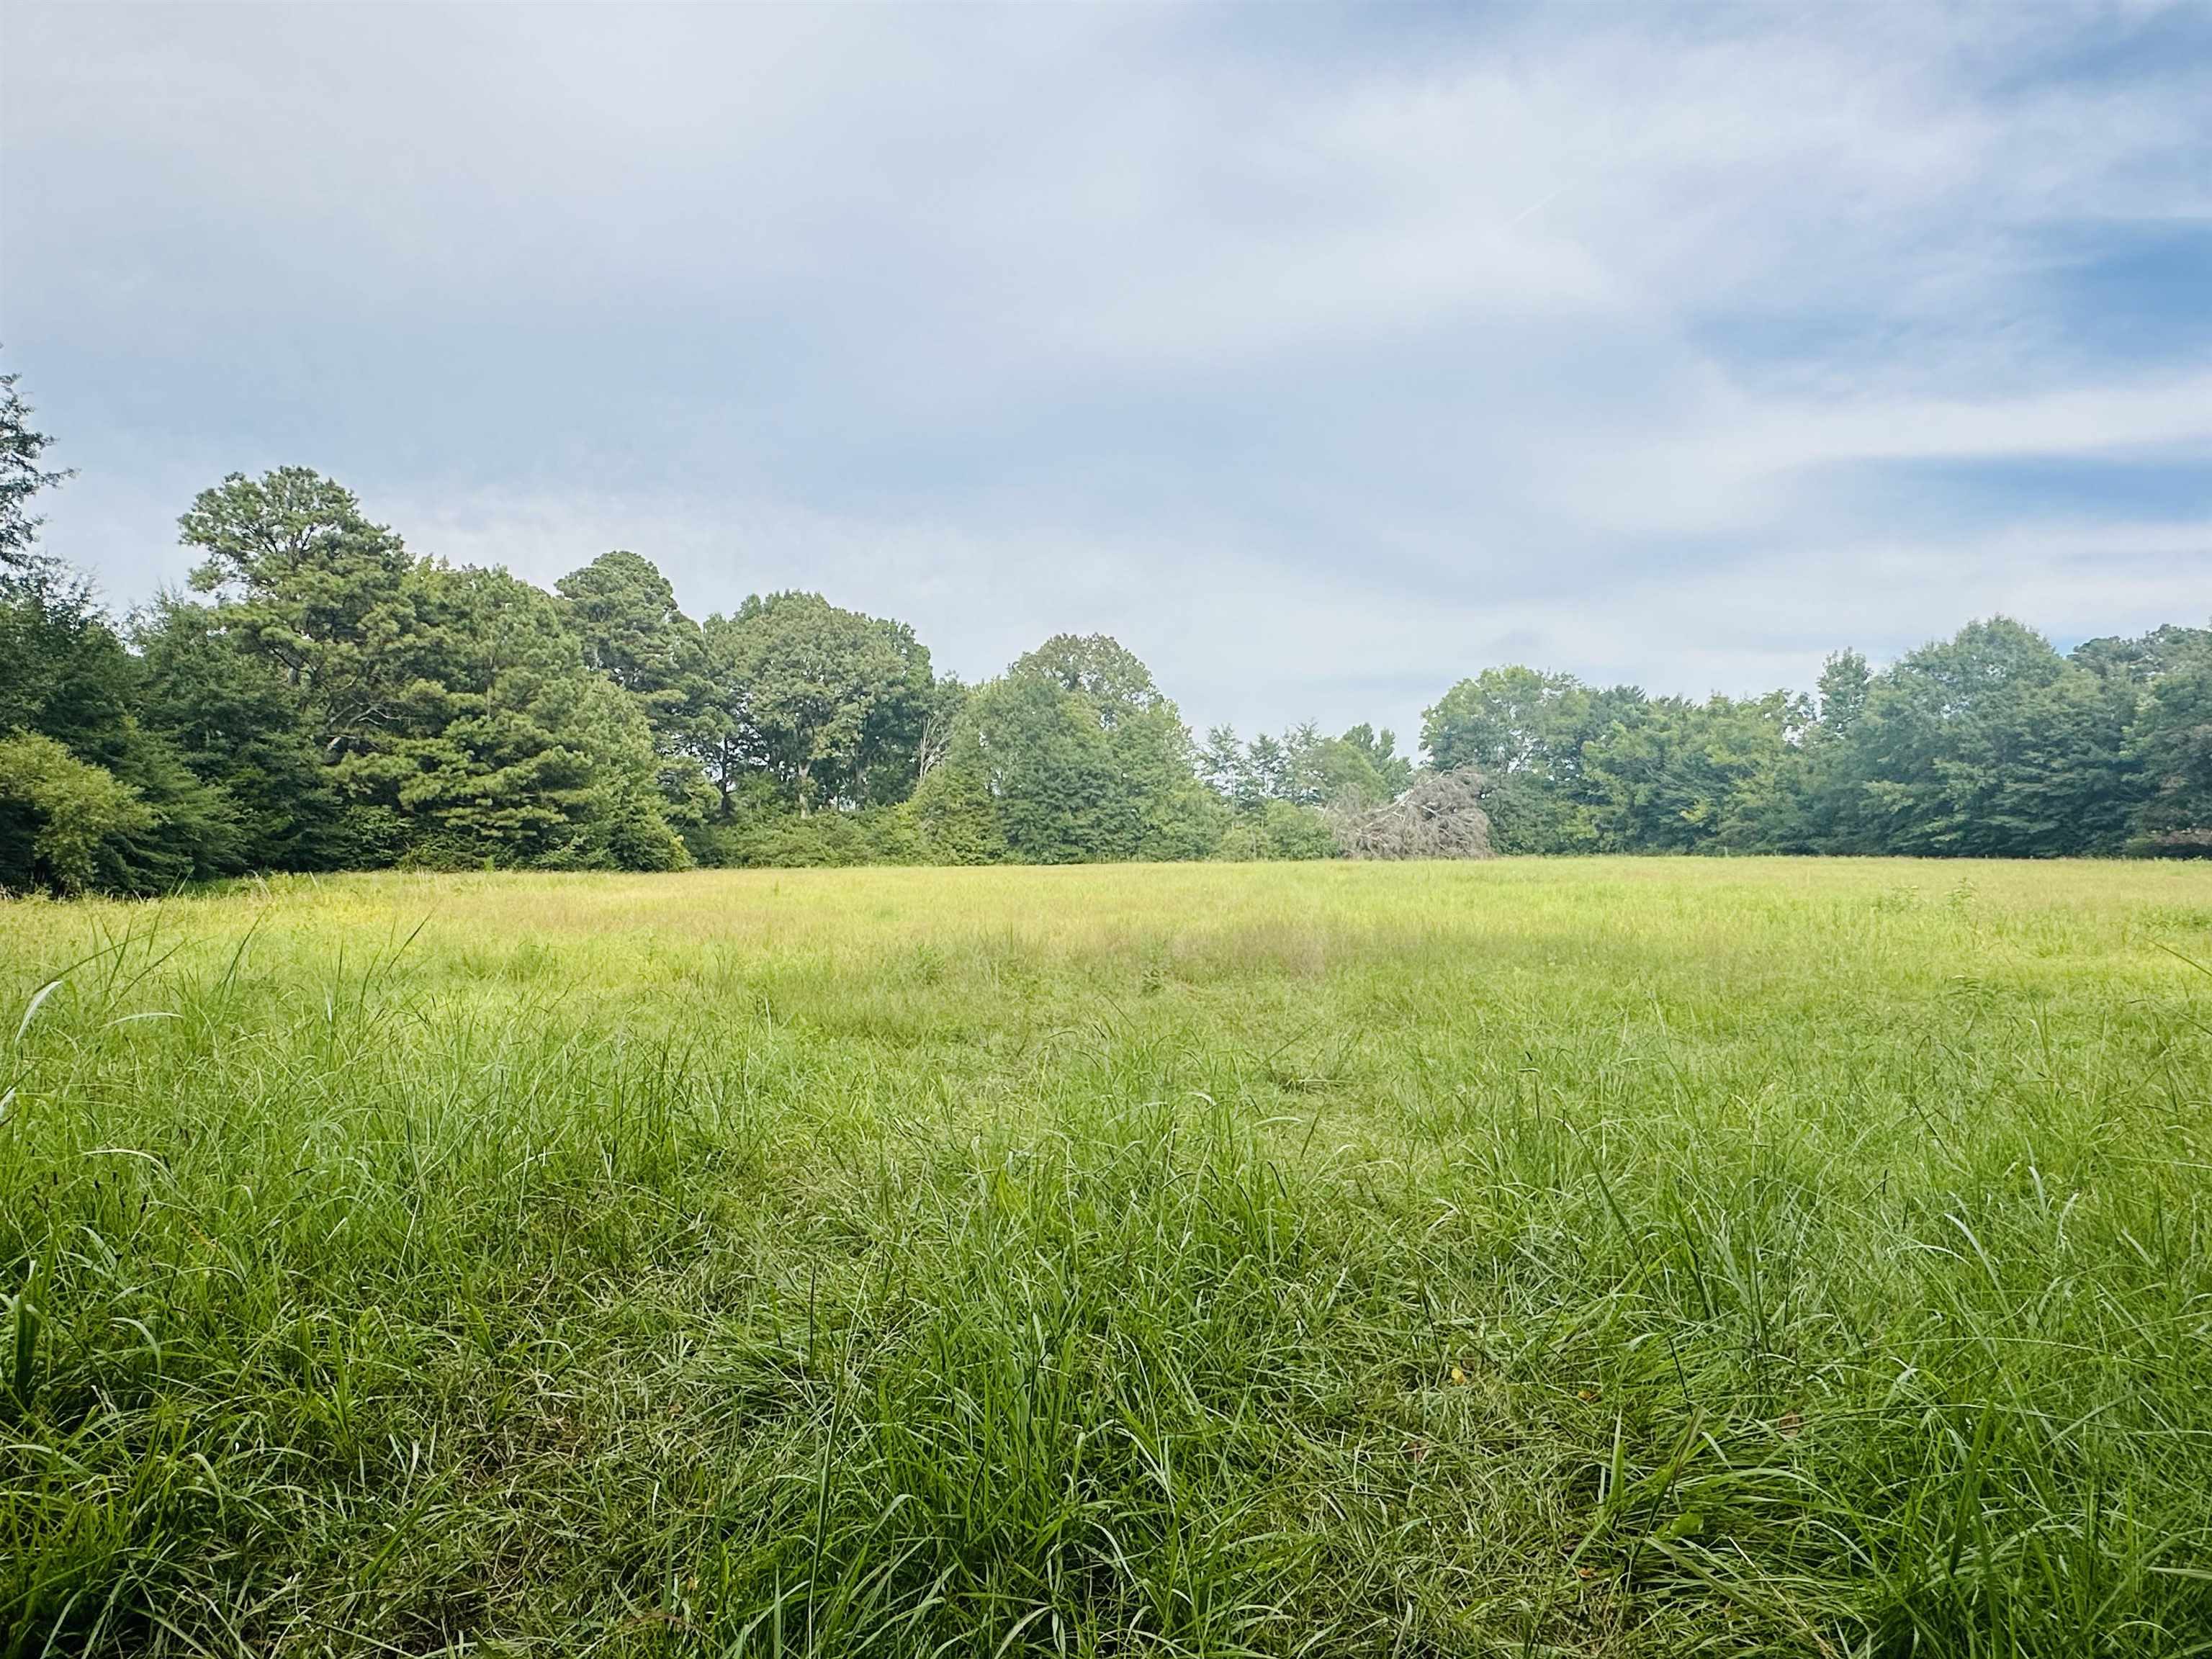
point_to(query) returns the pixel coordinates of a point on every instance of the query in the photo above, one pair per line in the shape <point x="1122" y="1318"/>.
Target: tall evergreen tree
<point x="302" y="577"/>
<point x="70" y="684"/>
<point x="21" y="477"/>
<point x="2170" y="742"/>
<point x="237" y="720"/>
<point x="624" y="612"/>
<point x="89" y="796"/>
<point x="509" y="749"/>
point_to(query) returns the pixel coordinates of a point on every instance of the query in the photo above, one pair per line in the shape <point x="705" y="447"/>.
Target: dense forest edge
<point x="322" y="698"/>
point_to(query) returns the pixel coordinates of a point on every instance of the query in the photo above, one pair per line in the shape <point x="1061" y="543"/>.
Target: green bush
<point x="64" y="824"/>
<point x="1278" y="829"/>
<point x="761" y="835"/>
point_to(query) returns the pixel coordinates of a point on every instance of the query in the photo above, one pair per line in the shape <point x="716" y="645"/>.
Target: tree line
<point x="320" y="697"/>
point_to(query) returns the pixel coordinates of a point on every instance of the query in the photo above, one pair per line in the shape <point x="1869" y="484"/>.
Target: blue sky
<point x="1321" y="356"/>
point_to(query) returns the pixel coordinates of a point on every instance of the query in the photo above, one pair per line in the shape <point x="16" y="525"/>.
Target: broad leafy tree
<point x="1280" y="791"/>
<point x="832" y="705"/>
<point x="1365" y="763"/>
<point x="1073" y="754"/>
<point x="1524" y="732"/>
<point x="1991" y="745"/>
<point x="1687" y="776"/>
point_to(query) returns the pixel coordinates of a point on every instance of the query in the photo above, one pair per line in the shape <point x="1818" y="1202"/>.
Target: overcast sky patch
<point x="1323" y="355"/>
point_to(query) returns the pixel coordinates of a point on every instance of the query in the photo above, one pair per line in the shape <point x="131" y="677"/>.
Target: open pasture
<point x="1594" y="1258"/>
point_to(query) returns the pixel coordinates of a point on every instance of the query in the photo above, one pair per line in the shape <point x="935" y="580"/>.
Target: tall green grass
<point x="1606" y="1258"/>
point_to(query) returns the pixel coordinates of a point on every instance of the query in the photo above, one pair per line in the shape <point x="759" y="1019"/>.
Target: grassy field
<point x="1589" y="1258"/>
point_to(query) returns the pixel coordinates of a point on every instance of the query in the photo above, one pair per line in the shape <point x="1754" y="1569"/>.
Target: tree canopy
<point x="324" y="697"/>
<point x="1073" y="754"/>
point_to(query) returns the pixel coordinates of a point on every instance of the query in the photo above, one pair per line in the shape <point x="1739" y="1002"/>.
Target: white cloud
<point x="1324" y="356"/>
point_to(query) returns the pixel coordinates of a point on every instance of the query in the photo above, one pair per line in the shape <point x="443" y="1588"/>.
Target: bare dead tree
<point x="1441" y="816"/>
<point x="935" y="743"/>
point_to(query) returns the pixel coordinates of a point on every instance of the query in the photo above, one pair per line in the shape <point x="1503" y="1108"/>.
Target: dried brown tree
<point x="1441" y="816"/>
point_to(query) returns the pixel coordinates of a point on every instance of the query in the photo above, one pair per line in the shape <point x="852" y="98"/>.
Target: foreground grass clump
<point x="1606" y="1258"/>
